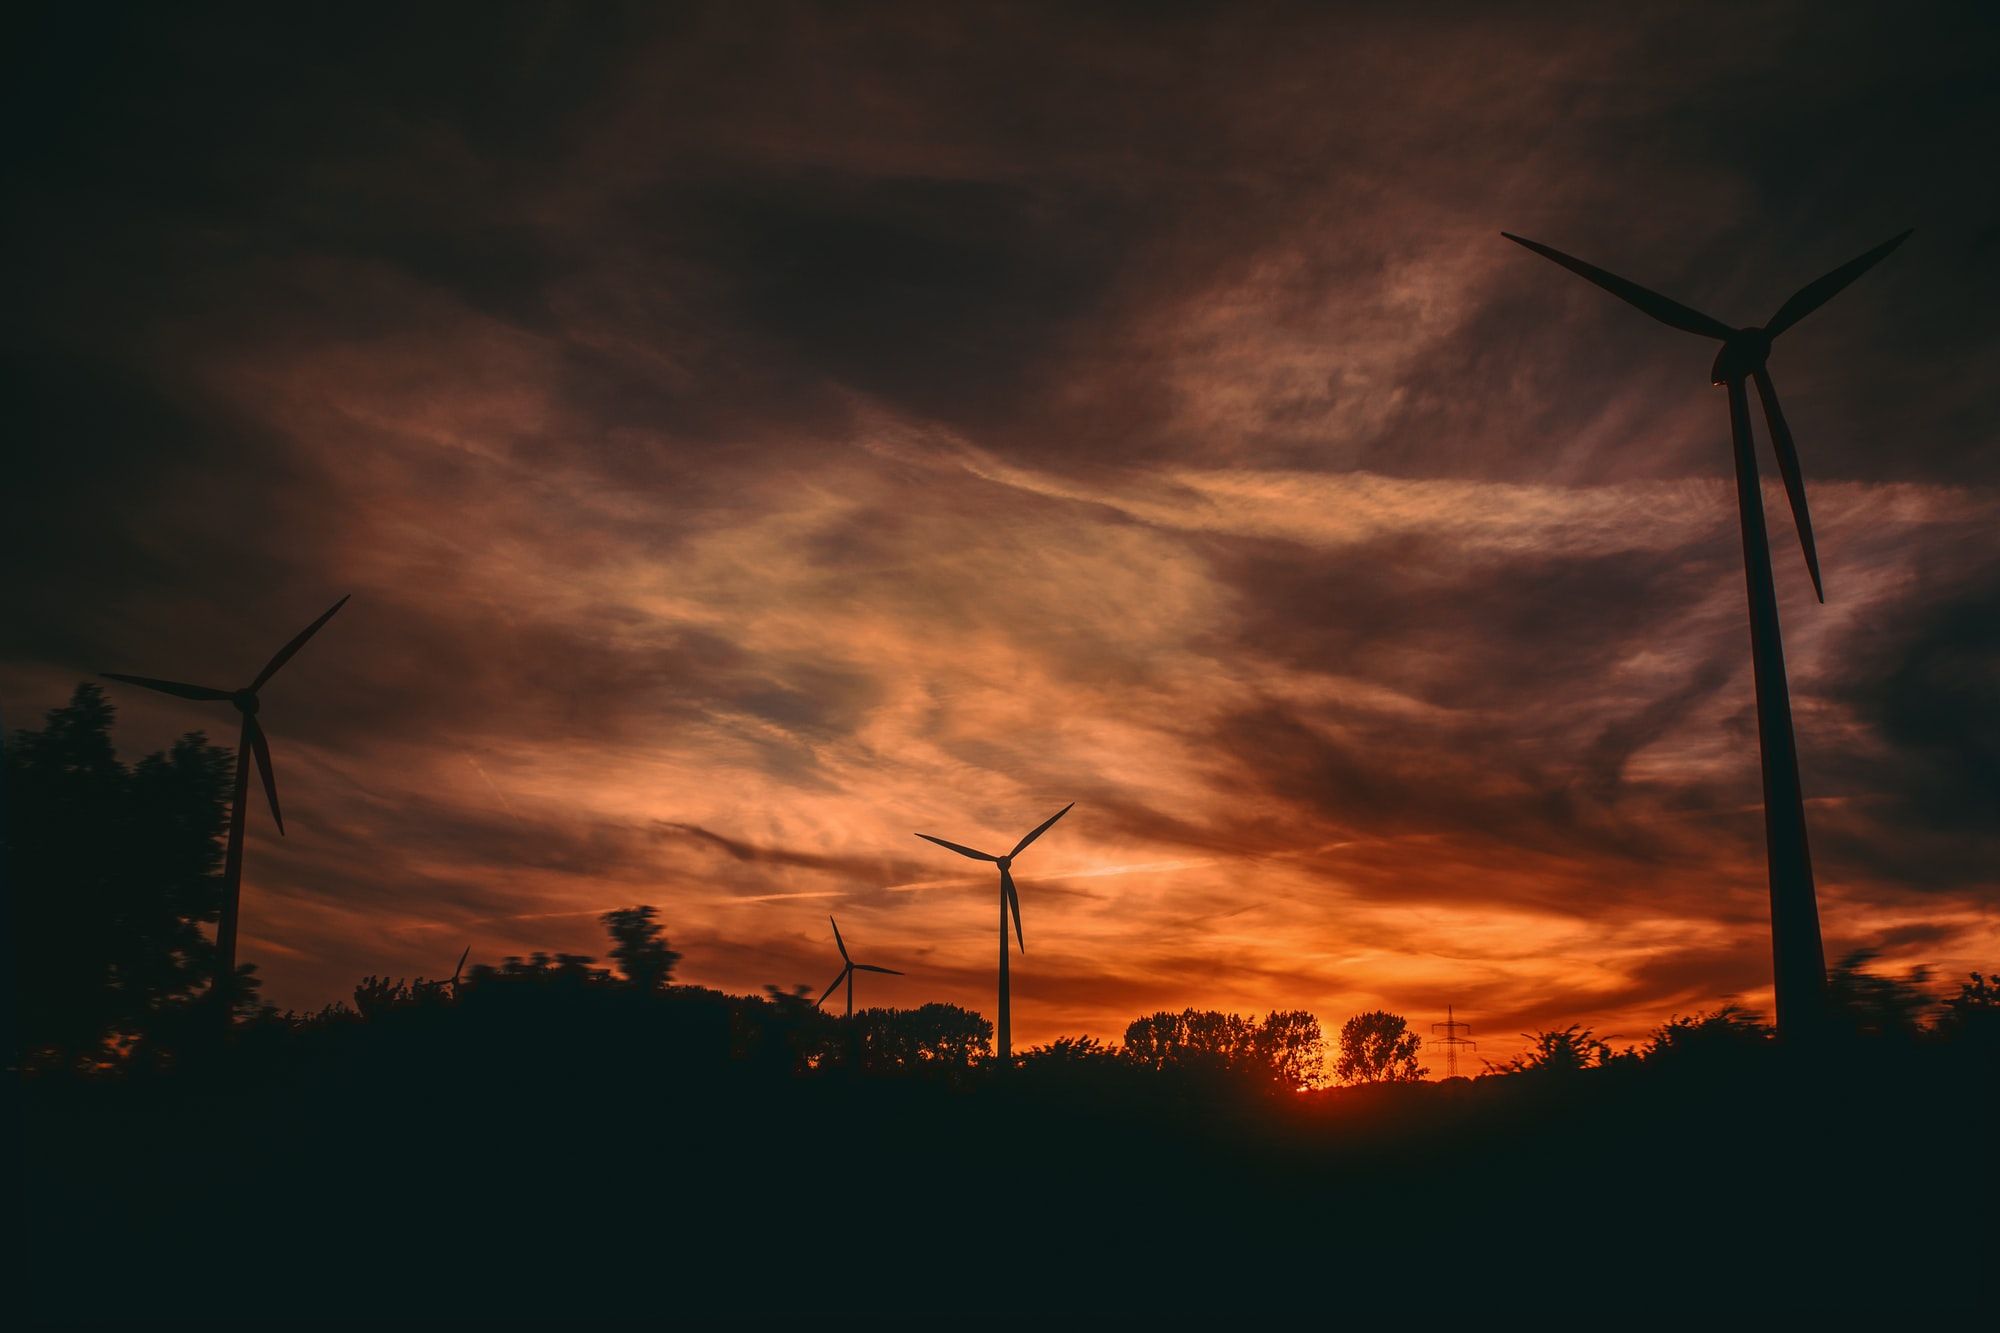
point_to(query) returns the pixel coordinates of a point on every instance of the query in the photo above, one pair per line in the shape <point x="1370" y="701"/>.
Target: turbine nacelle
<point x="1742" y="356"/>
<point x="244" y="701"/>
<point x="1744" y="352"/>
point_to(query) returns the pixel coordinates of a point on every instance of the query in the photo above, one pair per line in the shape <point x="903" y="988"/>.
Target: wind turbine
<point x="1009" y="901"/>
<point x="456" y="971"/>
<point x="251" y="741"/>
<point x="1798" y="958"/>
<point x="847" y="972"/>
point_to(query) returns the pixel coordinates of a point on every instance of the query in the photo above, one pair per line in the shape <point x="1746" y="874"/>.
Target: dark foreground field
<point x="560" y="1179"/>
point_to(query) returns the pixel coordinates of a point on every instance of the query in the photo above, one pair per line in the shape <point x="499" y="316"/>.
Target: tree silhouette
<point x="1286" y="1048"/>
<point x="1069" y="1052"/>
<point x="1290" y="1044"/>
<point x="1569" y="1050"/>
<point x="941" y="1037"/>
<point x="640" y="947"/>
<point x="112" y="872"/>
<point x="1378" y="1047"/>
<point x="1725" y="1036"/>
<point x="1193" y="1039"/>
<point x="1868" y="1005"/>
<point x="375" y="996"/>
<point x="1972" y="1017"/>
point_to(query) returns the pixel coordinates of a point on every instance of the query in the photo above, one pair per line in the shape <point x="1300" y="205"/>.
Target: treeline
<point x="566" y="1010"/>
<point x="114" y="875"/>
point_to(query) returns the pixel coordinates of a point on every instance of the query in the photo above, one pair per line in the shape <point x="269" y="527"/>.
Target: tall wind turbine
<point x="1009" y="901"/>
<point x="847" y="972"/>
<point x="1798" y="959"/>
<point x="251" y="741"/>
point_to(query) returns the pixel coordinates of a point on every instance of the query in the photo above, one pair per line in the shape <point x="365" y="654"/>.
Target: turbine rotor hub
<point x="245" y="701"/>
<point x="1006" y="862"/>
<point x="1742" y="356"/>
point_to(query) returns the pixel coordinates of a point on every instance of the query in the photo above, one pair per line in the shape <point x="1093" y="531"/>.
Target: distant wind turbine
<point x="457" y="971"/>
<point x="847" y="972"/>
<point x="1009" y="901"/>
<point x="251" y="741"/>
<point x="1798" y="957"/>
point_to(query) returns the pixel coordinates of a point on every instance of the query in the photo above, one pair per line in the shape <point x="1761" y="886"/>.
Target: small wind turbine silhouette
<point x="847" y="972"/>
<point x="1009" y="901"/>
<point x="1798" y="957"/>
<point x="456" y="971"/>
<point x="251" y="741"/>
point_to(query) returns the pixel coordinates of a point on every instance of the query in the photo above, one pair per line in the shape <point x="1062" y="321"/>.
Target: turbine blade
<point x="1821" y="290"/>
<point x="831" y="989"/>
<point x="1788" y="467"/>
<point x="962" y="851"/>
<point x="1013" y="903"/>
<point x="461" y="964"/>
<point x="1040" y="829"/>
<point x="262" y="749"/>
<point x="839" y="942"/>
<point x="869" y="967"/>
<point x="1659" y="307"/>
<point x="169" y="686"/>
<point x="285" y="653"/>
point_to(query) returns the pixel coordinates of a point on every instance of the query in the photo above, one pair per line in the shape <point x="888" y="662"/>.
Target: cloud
<point x="752" y="438"/>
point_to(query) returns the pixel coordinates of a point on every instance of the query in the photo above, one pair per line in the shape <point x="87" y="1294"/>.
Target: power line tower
<point x="1451" y="1041"/>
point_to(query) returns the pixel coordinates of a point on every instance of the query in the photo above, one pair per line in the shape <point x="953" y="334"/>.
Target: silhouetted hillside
<point x="549" y="1137"/>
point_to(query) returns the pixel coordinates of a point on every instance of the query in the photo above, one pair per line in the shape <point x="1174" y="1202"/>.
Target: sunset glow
<point x="755" y="468"/>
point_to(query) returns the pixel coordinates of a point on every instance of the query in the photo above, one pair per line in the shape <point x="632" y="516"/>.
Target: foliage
<point x="1285" y="1049"/>
<point x="800" y="995"/>
<point x="1290" y="1044"/>
<point x="1726" y="1035"/>
<point x="933" y="1036"/>
<point x="1190" y="1039"/>
<point x="1865" y="1004"/>
<point x="1973" y="1015"/>
<point x="1558" y="1053"/>
<point x="640" y="947"/>
<point x="376" y="997"/>
<point x="1377" y="1047"/>
<point x="112" y="871"/>
<point x="1070" y="1052"/>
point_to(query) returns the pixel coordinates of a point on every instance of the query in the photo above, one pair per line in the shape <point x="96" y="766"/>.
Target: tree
<point x="1972" y="1017"/>
<point x="640" y="947"/>
<point x="1568" y="1051"/>
<point x="1727" y="1035"/>
<point x="1069" y="1053"/>
<point x="1193" y="1039"/>
<point x="1286" y="1049"/>
<point x="1291" y="1046"/>
<point x="1866" y="1004"/>
<point x="934" y="1036"/>
<point x="1377" y="1047"/>
<point x="112" y="872"/>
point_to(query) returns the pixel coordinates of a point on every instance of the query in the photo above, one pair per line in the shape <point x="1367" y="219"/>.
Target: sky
<point x="755" y="434"/>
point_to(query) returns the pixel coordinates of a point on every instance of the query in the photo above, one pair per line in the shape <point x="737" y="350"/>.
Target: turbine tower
<point x="249" y="742"/>
<point x="1009" y="901"/>
<point x="1798" y="958"/>
<point x="847" y="971"/>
